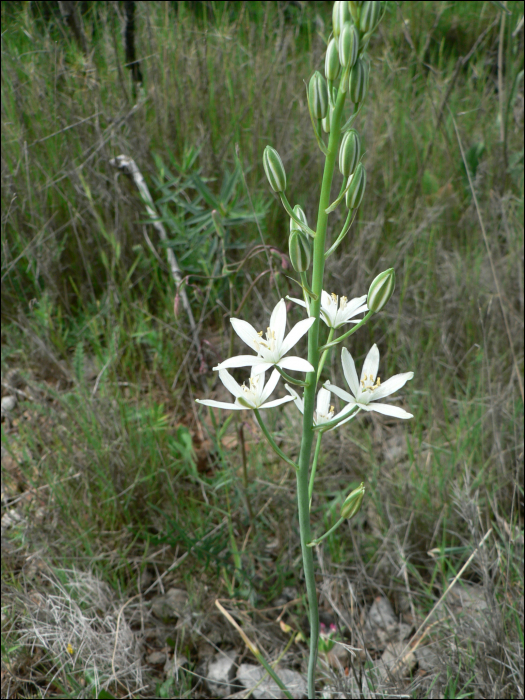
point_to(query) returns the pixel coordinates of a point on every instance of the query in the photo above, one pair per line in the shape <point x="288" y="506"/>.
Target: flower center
<point x="252" y="389"/>
<point x="268" y="345"/>
<point x="367" y="383"/>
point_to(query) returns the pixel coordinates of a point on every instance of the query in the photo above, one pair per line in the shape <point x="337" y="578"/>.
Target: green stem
<point x="270" y="439"/>
<point x="305" y="285"/>
<point x="334" y="423"/>
<point x="345" y="335"/>
<point x="325" y="353"/>
<point x="289" y="211"/>
<point x="314" y="467"/>
<point x="284" y="375"/>
<point x="349" y="221"/>
<point x="309" y="392"/>
<point x="332" y="529"/>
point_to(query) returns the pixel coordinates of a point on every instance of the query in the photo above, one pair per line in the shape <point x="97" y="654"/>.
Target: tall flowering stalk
<point x="346" y="80"/>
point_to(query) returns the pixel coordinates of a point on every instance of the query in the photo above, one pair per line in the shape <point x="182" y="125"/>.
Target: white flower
<point x="370" y="389"/>
<point x="335" y="311"/>
<point x="252" y="396"/>
<point x="270" y="352"/>
<point x="324" y="412"/>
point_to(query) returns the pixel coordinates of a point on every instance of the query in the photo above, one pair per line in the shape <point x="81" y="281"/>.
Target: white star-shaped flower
<point x="270" y="351"/>
<point x="252" y="396"/>
<point x="336" y="311"/>
<point x="369" y="389"/>
<point x="324" y="411"/>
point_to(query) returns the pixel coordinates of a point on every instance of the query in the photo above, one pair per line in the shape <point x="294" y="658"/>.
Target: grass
<point x="115" y="484"/>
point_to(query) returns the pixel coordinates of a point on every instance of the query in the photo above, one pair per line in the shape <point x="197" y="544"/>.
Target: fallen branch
<point x="128" y="165"/>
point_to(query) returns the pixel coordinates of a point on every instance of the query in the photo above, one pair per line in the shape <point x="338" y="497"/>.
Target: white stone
<point x="249" y="675"/>
<point x="221" y="672"/>
<point x="8" y="403"/>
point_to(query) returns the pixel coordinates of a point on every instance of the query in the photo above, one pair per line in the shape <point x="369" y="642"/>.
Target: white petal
<point x="261" y="367"/>
<point x="277" y="402"/>
<point x="278" y="321"/>
<point x="326" y="318"/>
<point x="245" y="331"/>
<point x="371" y="363"/>
<point x="220" y="404"/>
<point x="348" y="409"/>
<point x="298" y="301"/>
<point x="240" y="361"/>
<point x="387" y="410"/>
<point x="391" y="385"/>
<point x="298" y="400"/>
<point x="323" y="401"/>
<point x="296" y="334"/>
<point x="295" y="363"/>
<point x="229" y="382"/>
<point x="272" y="383"/>
<point x="350" y="313"/>
<point x="354" y="304"/>
<point x="349" y="371"/>
<point x="341" y="393"/>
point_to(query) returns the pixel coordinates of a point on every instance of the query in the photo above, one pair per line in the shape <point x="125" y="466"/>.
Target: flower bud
<point x="331" y="63"/>
<point x="353" y="502"/>
<point x="340" y="15"/>
<point x="353" y="8"/>
<point x="318" y="95"/>
<point x="369" y="16"/>
<point x="355" y="192"/>
<point x="358" y="81"/>
<point x="381" y="290"/>
<point x="327" y="121"/>
<point x="348" y="45"/>
<point x="300" y="251"/>
<point x="349" y="153"/>
<point x="299" y="213"/>
<point x="274" y="169"/>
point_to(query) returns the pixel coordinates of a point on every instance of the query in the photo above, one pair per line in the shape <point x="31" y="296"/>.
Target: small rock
<point x="338" y="656"/>
<point x="398" y="660"/>
<point x="427" y="659"/>
<point x="172" y="605"/>
<point x="381" y="614"/>
<point x="381" y="626"/>
<point x="8" y="403"/>
<point x="156" y="657"/>
<point x="249" y="675"/>
<point x="221" y="672"/>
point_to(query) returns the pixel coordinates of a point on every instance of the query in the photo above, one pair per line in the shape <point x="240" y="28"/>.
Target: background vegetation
<point x="115" y="483"/>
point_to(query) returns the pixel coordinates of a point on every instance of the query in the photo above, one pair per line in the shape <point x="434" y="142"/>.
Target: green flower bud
<point x="369" y="16"/>
<point x="381" y="290"/>
<point x="358" y="81"/>
<point x="299" y="213"/>
<point x="331" y="63"/>
<point x="355" y="192"/>
<point x="348" y="45"/>
<point x="300" y="251"/>
<point x="327" y="121"/>
<point x="318" y="95"/>
<point x="349" y="153"/>
<point x="353" y="502"/>
<point x="274" y="169"/>
<point x="340" y="15"/>
<point x="354" y="10"/>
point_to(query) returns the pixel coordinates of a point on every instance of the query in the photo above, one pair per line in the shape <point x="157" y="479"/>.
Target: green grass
<point x="110" y="466"/>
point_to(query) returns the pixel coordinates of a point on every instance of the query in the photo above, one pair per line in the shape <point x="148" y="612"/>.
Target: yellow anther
<point x="260" y="333"/>
<point x="334" y="297"/>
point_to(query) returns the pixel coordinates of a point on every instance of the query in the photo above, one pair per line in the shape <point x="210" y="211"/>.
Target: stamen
<point x="260" y="333"/>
